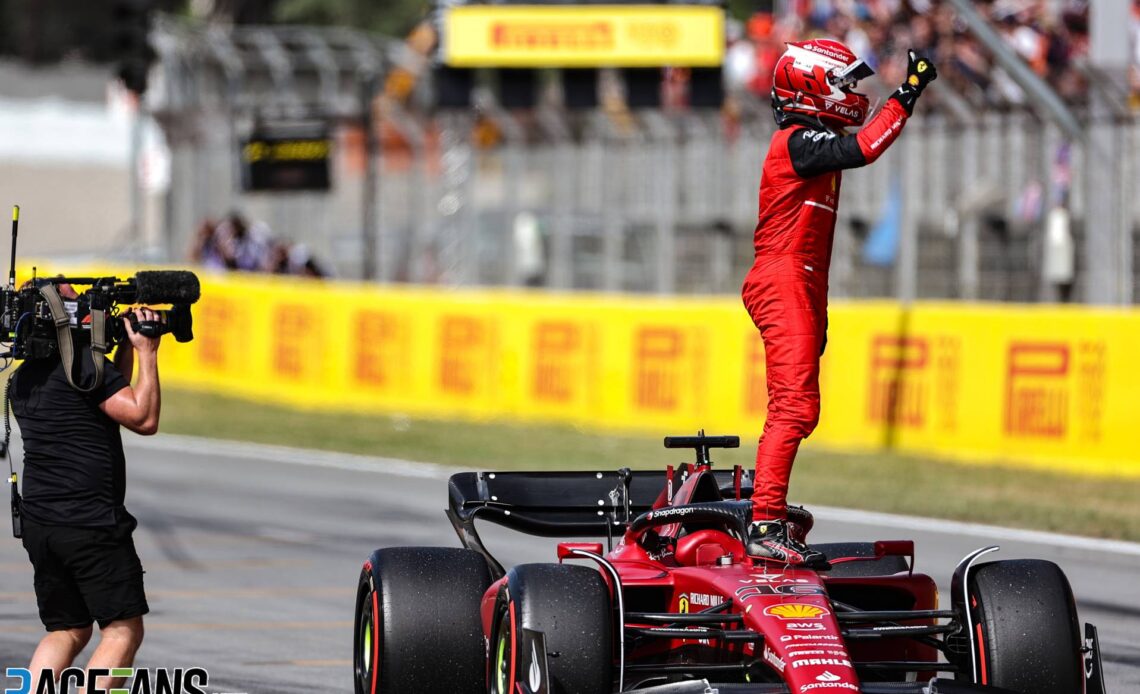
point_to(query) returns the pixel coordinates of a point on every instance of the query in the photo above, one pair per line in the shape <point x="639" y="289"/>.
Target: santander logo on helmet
<point x="815" y="78"/>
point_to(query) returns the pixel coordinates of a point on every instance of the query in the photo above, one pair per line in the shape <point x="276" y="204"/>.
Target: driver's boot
<point x="768" y="539"/>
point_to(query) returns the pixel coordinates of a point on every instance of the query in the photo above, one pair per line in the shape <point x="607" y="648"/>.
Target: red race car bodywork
<point x="680" y="608"/>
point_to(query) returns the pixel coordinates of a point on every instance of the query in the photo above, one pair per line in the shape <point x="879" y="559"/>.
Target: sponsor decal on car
<point x="838" y="662"/>
<point x="795" y="610"/>
<point x="687" y="600"/>
<point x="750" y="592"/>
<point x="829" y="685"/>
<point x="773" y="659"/>
<point x="805" y="626"/>
<point x="669" y="512"/>
<point x="796" y="650"/>
<point x="771" y="578"/>
<point x="809" y="637"/>
<point x="534" y="675"/>
<point x="827" y="676"/>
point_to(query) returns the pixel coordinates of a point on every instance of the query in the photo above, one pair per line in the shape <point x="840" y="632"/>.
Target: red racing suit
<point x="786" y="290"/>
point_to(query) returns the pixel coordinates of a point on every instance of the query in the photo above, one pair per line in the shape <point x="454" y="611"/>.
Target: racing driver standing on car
<point x="786" y="290"/>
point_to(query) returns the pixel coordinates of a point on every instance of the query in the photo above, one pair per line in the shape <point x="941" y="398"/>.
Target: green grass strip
<point x="887" y="482"/>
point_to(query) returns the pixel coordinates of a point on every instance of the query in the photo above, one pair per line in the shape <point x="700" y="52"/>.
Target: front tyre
<point x="1025" y="627"/>
<point x="570" y="606"/>
<point x="417" y="625"/>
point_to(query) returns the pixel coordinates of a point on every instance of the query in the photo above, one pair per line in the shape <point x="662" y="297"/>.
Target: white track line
<point x="291" y="456"/>
<point x="936" y="525"/>
<point x="406" y="468"/>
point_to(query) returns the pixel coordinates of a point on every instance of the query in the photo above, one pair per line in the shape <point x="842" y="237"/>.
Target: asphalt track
<point x="252" y="555"/>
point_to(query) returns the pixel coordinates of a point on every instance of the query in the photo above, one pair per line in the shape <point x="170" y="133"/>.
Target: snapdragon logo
<point x="74" y="680"/>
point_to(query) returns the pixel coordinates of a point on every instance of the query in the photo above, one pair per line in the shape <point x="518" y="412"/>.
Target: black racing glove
<point x="919" y="73"/>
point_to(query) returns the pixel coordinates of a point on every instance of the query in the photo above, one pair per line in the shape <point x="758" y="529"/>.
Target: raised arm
<point x="814" y="152"/>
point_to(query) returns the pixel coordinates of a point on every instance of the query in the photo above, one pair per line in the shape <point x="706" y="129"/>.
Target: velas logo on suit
<point x="75" y="680"/>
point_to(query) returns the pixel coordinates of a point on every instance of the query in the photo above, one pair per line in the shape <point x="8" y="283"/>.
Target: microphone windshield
<point x="167" y="287"/>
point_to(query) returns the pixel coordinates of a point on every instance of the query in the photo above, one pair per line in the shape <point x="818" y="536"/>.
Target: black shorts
<point x="85" y="575"/>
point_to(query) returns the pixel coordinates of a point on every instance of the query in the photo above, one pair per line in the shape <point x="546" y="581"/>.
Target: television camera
<point x="47" y="317"/>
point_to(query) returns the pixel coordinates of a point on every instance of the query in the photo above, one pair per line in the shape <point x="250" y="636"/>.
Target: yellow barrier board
<point x="1048" y="387"/>
<point x="583" y="36"/>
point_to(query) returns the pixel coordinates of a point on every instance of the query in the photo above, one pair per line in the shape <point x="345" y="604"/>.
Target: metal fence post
<point x="906" y="270"/>
<point x="370" y="243"/>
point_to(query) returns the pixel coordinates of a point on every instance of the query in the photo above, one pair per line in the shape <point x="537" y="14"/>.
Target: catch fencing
<point x="975" y="204"/>
<point x="667" y="203"/>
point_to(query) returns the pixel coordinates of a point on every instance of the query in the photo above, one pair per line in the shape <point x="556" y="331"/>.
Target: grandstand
<point x="604" y="173"/>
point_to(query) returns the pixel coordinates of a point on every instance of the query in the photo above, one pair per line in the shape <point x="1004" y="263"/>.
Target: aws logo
<point x="795" y="610"/>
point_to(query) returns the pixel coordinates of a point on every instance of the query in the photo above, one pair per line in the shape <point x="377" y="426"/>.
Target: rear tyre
<point x="417" y="626"/>
<point x="570" y="605"/>
<point x="1025" y="623"/>
<point x="884" y="566"/>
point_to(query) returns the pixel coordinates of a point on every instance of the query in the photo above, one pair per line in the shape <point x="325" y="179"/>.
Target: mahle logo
<point x="74" y="680"/>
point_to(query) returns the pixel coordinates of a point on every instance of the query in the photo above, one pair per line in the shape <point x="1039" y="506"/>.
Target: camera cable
<point x="14" y="480"/>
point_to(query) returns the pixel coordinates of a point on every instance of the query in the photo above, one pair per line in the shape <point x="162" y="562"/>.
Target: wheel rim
<point x="503" y="655"/>
<point x="365" y="639"/>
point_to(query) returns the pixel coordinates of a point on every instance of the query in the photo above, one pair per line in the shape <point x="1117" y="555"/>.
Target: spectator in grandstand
<point x="290" y="258"/>
<point x="205" y="250"/>
<point x="1051" y="37"/>
<point x="243" y="246"/>
<point x="786" y="290"/>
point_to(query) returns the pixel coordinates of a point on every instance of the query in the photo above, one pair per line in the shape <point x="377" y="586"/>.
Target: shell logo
<point x="795" y="610"/>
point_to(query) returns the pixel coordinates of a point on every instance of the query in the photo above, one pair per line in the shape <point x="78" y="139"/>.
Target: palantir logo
<point x="75" y="680"/>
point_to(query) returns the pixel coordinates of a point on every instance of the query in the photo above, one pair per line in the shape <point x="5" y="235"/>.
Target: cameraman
<point x="76" y="530"/>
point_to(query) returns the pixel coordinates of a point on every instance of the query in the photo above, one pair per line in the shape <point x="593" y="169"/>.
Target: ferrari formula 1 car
<point x="675" y="606"/>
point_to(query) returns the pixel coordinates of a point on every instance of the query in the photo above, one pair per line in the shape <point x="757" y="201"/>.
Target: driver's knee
<point x="799" y="416"/>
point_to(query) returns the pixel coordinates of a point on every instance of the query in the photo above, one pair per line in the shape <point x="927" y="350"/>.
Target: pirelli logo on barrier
<point x="290" y="321"/>
<point x="466" y="355"/>
<point x="1054" y="390"/>
<point x="214" y="321"/>
<point x="381" y="350"/>
<point x="913" y="382"/>
<point x="562" y="362"/>
<point x="583" y="36"/>
<point x="1037" y="389"/>
<point x="899" y="380"/>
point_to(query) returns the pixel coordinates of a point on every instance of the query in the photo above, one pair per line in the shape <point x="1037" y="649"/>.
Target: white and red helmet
<point x="815" y="78"/>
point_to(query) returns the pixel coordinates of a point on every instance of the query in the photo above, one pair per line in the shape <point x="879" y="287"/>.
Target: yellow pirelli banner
<point x="1041" y="386"/>
<point x="583" y="36"/>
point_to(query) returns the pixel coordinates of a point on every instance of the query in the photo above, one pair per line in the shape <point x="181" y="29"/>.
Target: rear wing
<point x="561" y="504"/>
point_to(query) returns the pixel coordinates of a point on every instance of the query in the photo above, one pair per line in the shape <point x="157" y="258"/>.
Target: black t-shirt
<point x="74" y="468"/>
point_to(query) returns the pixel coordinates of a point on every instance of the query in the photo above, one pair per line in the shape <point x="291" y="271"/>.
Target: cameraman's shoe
<point x="768" y="539"/>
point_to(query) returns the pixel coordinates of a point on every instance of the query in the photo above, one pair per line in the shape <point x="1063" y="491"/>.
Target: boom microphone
<point x="166" y="287"/>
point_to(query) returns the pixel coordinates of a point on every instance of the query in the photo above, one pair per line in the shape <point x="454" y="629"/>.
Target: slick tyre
<point x="884" y="566"/>
<point x="570" y="606"/>
<point x="417" y="626"/>
<point x="1025" y="627"/>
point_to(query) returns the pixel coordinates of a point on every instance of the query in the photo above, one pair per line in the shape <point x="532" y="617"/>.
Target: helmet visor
<point x="849" y="76"/>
